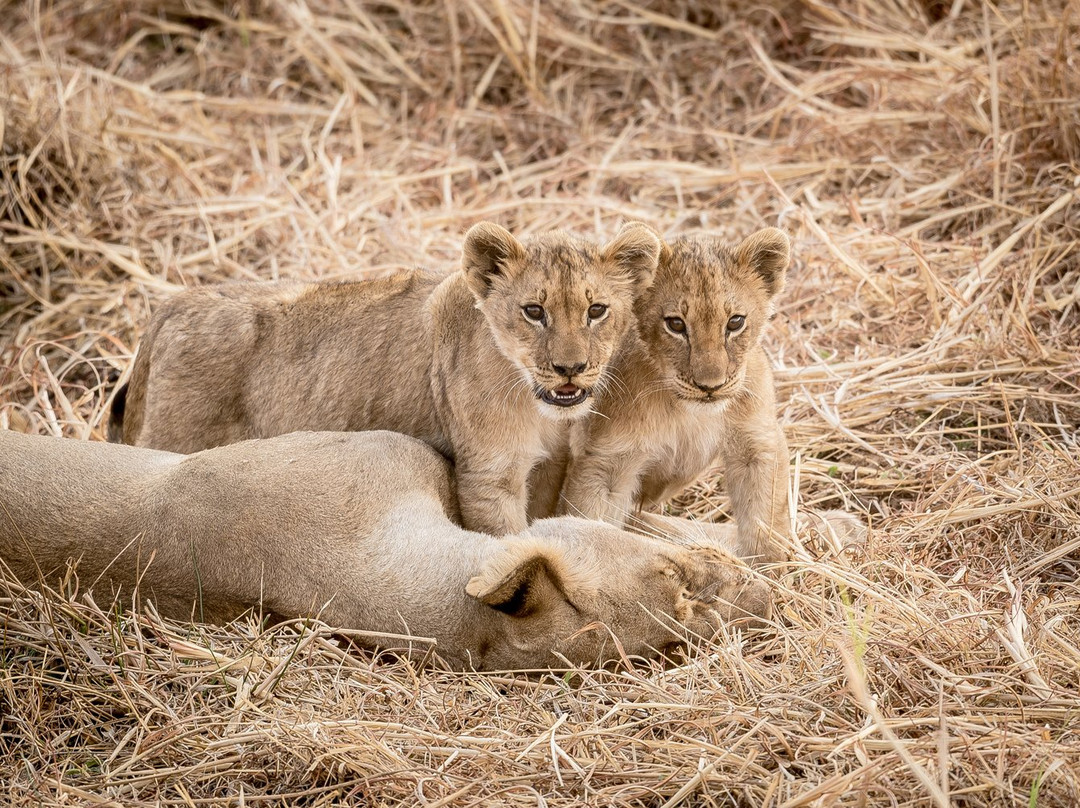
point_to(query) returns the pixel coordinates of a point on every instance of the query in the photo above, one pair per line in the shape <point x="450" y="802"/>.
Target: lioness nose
<point x="568" y="370"/>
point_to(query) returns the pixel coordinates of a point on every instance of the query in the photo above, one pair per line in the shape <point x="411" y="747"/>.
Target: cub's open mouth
<point x="567" y="395"/>
<point x="714" y="398"/>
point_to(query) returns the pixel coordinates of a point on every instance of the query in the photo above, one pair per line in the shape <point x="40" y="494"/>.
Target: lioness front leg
<point x="755" y="456"/>
<point x="687" y="531"/>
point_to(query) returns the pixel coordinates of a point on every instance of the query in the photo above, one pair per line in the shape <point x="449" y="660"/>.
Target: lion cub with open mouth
<point x="487" y="365"/>
<point x="693" y="385"/>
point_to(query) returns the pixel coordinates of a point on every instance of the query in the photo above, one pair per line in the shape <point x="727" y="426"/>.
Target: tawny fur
<point x="353" y="528"/>
<point x="452" y="361"/>
<point x="679" y="402"/>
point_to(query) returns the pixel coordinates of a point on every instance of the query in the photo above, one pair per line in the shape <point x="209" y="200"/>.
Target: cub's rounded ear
<point x="485" y="255"/>
<point x="518" y="584"/>
<point x="665" y="250"/>
<point x="767" y="253"/>
<point x="632" y="224"/>
<point x="635" y="253"/>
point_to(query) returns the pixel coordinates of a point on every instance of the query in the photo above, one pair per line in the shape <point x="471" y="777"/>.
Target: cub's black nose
<point x="568" y="370"/>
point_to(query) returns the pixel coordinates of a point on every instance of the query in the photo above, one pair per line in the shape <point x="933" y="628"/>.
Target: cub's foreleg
<point x="602" y="483"/>
<point x="755" y="456"/>
<point x="493" y="493"/>
<point x="546" y="483"/>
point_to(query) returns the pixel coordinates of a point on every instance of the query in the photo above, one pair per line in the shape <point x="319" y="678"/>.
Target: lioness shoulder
<point x="694" y="385"/>
<point x="489" y="365"/>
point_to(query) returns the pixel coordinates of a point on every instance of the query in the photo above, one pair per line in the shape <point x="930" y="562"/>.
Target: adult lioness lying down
<point x="353" y="528"/>
<point x="487" y="365"/>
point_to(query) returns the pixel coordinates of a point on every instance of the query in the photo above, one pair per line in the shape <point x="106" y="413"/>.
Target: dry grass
<point x="923" y="154"/>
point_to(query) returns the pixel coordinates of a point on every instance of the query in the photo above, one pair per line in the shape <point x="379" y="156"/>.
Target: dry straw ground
<point x="924" y="155"/>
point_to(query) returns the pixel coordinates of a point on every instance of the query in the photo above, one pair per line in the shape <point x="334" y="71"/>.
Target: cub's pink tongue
<point x="566" y="390"/>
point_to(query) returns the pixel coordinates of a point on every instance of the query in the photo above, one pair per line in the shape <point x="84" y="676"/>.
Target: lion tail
<point x="115" y="430"/>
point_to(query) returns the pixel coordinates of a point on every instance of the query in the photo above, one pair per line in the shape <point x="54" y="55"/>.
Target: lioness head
<point x="707" y="307"/>
<point x="586" y="592"/>
<point x="557" y="305"/>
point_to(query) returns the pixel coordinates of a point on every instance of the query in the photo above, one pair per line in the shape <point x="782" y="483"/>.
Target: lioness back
<point x="227" y="363"/>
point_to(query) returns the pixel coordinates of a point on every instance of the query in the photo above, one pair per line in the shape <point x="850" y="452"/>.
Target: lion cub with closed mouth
<point x="487" y="365"/>
<point x="692" y="386"/>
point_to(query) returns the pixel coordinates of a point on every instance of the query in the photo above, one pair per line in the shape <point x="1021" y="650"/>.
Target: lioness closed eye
<point x="694" y="385"/>
<point x="487" y="365"/>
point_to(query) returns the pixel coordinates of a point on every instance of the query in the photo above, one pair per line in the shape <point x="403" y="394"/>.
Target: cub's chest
<point x="552" y="437"/>
<point x="683" y="447"/>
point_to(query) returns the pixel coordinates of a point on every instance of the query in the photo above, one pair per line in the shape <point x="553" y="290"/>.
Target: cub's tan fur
<point x="690" y="388"/>
<point x="353" y="528"/>
<point x="477" y="365"/>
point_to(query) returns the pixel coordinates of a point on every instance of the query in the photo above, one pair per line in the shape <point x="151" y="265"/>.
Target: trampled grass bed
<point x="923" y="155"/>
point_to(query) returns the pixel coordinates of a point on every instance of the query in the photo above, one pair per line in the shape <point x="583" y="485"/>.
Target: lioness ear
<point x="768" y="253"/>
<point x="635" y="252"/>
<point x="484" y="255"/>
<point x="518" y="586"/>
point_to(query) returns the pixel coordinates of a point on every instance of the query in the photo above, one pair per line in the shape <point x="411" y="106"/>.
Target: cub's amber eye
<point x="736" y="323"/>
<point x="533" y="312"/>
<point x="597" y="310"/>
<point x="675" y="325"/>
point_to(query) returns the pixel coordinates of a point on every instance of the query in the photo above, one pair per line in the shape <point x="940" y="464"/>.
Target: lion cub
<point x="693" y="385"/>
<point x="488" y="365"/>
